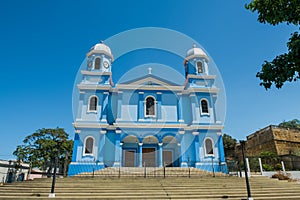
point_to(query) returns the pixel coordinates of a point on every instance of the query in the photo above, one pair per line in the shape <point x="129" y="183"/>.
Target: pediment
<point x="151" y="80"/>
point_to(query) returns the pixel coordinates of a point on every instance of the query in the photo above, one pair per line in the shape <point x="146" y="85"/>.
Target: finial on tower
<point x="194" y="45"/>
<point x="149" y="70"/>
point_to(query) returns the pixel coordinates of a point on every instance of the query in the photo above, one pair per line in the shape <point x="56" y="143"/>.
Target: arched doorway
<point x="149" y="151"/>
<point x="129" y="151"/>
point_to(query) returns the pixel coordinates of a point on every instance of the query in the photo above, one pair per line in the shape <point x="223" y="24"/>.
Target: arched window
<point x="204" y="106"/>
<point x="93" y="103"/>
<point x="150" y="107"/>
<point x="209" y="148"/>
<point x="200" y="67"/>
<point x="89" y="145"/>
<point x="97" y="63"/>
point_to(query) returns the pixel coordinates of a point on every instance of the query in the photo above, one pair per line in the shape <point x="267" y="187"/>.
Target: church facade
<point x="147" y="121"/>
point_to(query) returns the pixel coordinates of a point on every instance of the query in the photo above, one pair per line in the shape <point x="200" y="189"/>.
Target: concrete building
<point x="11" y="171"/>
<point x="147" y="121"/>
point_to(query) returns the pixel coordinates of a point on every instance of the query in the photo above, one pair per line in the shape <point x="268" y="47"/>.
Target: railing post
<point x="145" y="170"/>
<point x="242" y="142"/>
<point x="212" y="164"/>
<point x="283" y="168"/>
<point x="260" y="166"/>
<point x="164" y="170"/>
<point x="52" y="194"/>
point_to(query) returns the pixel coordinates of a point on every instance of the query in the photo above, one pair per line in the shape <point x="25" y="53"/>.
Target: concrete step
<point x="153" y="188"/>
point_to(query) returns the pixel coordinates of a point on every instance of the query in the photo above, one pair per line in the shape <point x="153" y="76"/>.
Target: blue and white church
<point x="146" y="121"/>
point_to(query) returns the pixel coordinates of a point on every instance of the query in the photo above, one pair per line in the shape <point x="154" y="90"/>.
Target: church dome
<point x="196" y="52"/>
<point x="101" y="48"/>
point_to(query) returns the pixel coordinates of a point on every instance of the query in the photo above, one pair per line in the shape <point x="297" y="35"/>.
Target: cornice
<point x="93" y="87"/>
<point x="206" y="77"/>
<point x="94" y="73"/>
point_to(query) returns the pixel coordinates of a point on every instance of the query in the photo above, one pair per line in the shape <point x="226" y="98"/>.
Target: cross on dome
<point x="149" y="70"/>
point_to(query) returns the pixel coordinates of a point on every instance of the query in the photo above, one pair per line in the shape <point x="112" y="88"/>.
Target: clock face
<point x="105" y="64"/>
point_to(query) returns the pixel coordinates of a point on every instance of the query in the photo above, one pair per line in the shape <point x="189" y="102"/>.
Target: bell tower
<point x="196" y="62"/>
<point x="99" y="64"/>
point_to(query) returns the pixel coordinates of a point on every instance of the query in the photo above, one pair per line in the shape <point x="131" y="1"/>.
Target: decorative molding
<point x="103" y="132"/>
<point x="206" y="77"/>
<point x="93" y="87"/>
<point x="146" y="87"/>
<point x="195" y="133"/>
<point x="118" y="131"/>
<point x="204" y="127"/>
<point x="94" y="73"/>
<point x="160" y="144"/>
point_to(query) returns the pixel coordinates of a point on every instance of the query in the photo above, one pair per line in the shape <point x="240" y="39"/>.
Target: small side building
<point x="11" y="171"/>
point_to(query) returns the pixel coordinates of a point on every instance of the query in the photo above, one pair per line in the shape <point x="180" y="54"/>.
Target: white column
<point x="160" y="151"/>
<point x="140" y="154"/>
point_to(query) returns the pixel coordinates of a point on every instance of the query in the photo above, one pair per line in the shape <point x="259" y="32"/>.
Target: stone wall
<point x="287" y="141"/>
<point x="278" y="140"/>
<point x="262" y="140"/>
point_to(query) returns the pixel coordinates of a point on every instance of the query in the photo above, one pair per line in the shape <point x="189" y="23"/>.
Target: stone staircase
<point x="150" y="172"/>
<point x="205" y="187"/>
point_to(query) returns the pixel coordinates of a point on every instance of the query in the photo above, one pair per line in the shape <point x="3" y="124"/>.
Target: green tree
<point x="229" y="145"/>
<point x="295" y="123"/>
<point x="285" y="67"/>
<point x="42" y="147"/>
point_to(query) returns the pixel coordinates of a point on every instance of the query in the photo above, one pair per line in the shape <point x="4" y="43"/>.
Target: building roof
<point x="196" y="52"/>
<point x="101" y="48"/>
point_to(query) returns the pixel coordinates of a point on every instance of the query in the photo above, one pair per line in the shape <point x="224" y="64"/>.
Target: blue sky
<point x="43" y="43"/>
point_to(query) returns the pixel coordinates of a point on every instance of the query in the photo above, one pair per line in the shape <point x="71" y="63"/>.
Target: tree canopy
<point x="41" y="148"/>
<point x="285" y="67"/>
<point x="295" y="123"/>
<point x="229" y="146"/>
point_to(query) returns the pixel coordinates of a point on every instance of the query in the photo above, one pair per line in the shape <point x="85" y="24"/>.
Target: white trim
<point x="195" y="133"/>
<point x="145" y="107"/>
<point x="152" y="80"/>
<point x="88" y="109"/>
<point x="78" y="124"/>
<point x="84" y="145"/>
<point x="212" y="143"/>
<point x="203" y="77"/>
<point x="197" y="56"/>
<point x="94" y="73"/>
<point x="201" y="112"/>
<point x="100" y="52"/>
<point x="147" y="87"/>
<point x="93" y="87"/>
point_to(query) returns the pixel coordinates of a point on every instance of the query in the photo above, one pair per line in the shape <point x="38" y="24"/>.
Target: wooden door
<point x="129" y="158"/>
<point x="149" y="157"/>
<point x="167" y="158"/>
